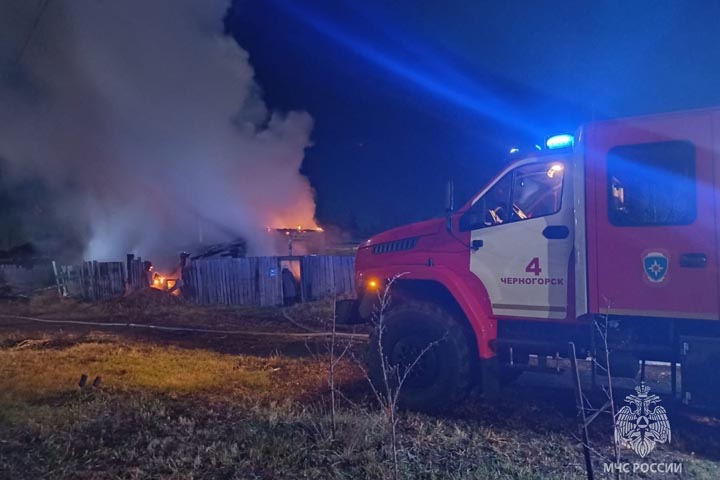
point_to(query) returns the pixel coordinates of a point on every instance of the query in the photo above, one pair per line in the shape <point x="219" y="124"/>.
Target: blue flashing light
<point x="514" y="150"/>
<point x="560" y="141"/>
<point x="428" y="72"/>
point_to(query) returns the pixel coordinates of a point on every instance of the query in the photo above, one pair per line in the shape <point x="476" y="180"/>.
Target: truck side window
<point x="652" y="184"/>
<point x="537" y="191"/>
<point x="529" y="191"/>
<point x="490" y="209"/>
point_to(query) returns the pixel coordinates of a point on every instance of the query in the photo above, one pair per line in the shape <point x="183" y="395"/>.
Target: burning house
<point x="300" y="241"/>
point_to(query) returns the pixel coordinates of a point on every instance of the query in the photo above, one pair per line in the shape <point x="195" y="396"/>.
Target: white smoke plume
<point x="146" y="123"/>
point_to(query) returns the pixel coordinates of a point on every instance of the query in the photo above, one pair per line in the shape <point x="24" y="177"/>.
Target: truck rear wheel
<point x="442" y="376"/>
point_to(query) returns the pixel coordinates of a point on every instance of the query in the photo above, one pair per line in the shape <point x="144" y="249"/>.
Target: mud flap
<point x="490" y="377"/>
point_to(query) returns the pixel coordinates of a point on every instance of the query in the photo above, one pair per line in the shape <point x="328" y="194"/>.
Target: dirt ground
<point x="197" y="404"/>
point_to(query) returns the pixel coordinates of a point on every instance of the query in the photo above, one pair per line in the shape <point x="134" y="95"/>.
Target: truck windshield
<point x="528" y="191"/>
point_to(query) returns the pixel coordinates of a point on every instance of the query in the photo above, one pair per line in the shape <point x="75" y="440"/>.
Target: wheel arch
<point x="429" y="291"/>
<point x="464" y="294"/>
<point x="481" y="327"/>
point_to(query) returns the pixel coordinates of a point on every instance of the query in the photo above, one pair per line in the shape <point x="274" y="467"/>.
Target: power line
<point x="35" y="24"/>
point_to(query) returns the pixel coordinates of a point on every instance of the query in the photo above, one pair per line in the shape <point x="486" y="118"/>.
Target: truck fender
<point x="468" y="292"/>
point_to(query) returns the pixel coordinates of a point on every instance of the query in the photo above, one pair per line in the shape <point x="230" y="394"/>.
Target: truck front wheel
<point x="434" y="380"/>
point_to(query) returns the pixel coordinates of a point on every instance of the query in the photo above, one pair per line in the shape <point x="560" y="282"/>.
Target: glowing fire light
<point x="554" y="169"/>
<point x="165" y="284"/>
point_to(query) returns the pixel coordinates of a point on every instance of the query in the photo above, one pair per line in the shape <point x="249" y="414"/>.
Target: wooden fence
<point x="224" y="281"/>
<point x="233" y="281"/>
<point x="258" y="280"/>
<point x="326" y="276"/>
<point x="92" y="281"/>
<point x="27" y="277"/>
<point x="136" y="272"/>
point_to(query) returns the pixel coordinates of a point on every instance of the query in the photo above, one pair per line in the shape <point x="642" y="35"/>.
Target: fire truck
<point x="616" y="225"/>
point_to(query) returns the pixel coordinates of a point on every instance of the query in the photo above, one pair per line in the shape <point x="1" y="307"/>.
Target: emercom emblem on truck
<point x="656" y="266"/>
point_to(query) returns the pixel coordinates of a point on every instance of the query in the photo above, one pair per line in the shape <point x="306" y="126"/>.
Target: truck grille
<point x="395" y="245"/>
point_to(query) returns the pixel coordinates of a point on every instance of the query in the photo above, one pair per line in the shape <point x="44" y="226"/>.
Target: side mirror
<point x="449" y="204"/>
<point x="449" y="196"/>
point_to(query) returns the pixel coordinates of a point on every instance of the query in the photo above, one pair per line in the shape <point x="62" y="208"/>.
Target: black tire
<point x="443" y="375"/>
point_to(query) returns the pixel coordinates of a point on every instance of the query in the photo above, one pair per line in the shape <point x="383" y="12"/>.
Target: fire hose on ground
<point x="309" y="334"/>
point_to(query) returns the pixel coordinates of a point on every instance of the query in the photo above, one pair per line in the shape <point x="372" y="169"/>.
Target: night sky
<point x="408" y="94"/>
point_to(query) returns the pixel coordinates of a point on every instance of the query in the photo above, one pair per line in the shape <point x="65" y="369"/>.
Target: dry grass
<point x="159" y="308"/>
<point x="40" y="368"/>
<point x="104" y="434"/>
<point x="193" y="407"/>
<point x="28" y="372"/>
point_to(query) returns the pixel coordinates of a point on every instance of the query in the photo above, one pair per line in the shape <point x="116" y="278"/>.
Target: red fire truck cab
<point x="615" y="226"/>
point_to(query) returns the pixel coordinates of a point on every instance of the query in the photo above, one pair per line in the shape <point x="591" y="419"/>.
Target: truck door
<point x="521" y="231"/>
<point x="651" y="217"/>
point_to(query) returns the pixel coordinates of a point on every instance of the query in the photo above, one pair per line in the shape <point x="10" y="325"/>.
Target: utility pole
<point x="31" y="33"/>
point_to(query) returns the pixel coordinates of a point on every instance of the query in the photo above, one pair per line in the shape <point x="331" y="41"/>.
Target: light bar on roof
<point x="563" y="140"/>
